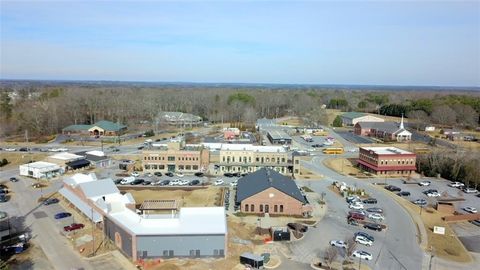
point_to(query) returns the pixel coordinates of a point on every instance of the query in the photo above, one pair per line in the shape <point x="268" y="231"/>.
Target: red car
<point x="73" y="227"/>
<point x="355" y="215"/>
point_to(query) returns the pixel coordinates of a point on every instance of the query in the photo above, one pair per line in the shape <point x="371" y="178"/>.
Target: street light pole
<point x="359" y="262"/>
<point x="93" y="234"/>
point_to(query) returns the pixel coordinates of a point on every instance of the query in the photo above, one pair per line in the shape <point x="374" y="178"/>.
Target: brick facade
<point x="272" y="201"/>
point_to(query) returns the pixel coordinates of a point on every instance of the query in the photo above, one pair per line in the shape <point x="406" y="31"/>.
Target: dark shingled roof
<point x="263" y="179"/>
<point x="389" y="127"/>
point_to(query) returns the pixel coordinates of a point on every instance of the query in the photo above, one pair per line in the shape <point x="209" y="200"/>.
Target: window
<point x="170" y="158"/>
<point x="161" y="167"/>
<point x="165" y="253"/>
<point x="283" y="160"/>
<point x="192" y="253"/>
<point x="257" y="159"/>
<point x="222" y="252"/>
<point x="246" y="207"/>
<point x="281" y="208"/>
<point x="275" y="208"/>
<point x="188" y="167"/>
<point x="181" y="167"/>
<point x="147" y="167"/>
<point x="261" y="207"/>
<point x="195" y="167"/>
<point x="215" y="252"/>
<point x="297" y="161"/>
<point x="252" y="207"/>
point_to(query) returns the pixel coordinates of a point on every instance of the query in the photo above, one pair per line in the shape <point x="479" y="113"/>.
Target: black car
<point x="50" y="201"/>
<point x="137" y="182"/>
<point x="146" y="183"/>
<point x="2" y="186"/>
<point x="164" y="183"/>
<point x="236" y="174"/>
<point x="370" y="201"/>
<point x="392" y="188"/>
<point x="352" y="222"/>
<point x="430" y="191"/>
<point x="228" y="174"/>
<point x="157" y="174"/>
<point x="140" y="147"/>
<point x="169" y="174"/>
<point x="404" y="193"/>
<point x="194" y="183"/>
<point x="375" y="210"/>
<point x="245" y="174"/>
<point x="199" y="174"/>
<point x="366" y="235"/>
<point x="3" y="198"/>
<point x="372" y="226"/>
<point x="316" y="145"/>
<point x="23" y="149"/>
<point x="117" y="181"/>
<point x="3" y="191"/>
<point x="13" y="179"/>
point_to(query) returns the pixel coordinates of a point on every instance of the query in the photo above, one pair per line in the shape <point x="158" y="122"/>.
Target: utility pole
<point x="93" y="234"/>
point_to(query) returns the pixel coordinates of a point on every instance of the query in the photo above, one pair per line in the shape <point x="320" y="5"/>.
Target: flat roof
<point x="66" y="156"/>
<point x="159" y="205"/>
<point x="278" y="134"/>
<point x="41" y="165"/>
<point x="387" y="150"/>
<point x="251" y="147"/>
<point x="190" y="221"/>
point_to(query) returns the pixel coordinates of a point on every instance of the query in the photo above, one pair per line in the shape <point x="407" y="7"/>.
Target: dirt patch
<point x="19" y="158"/>
<point x="209" y="196"/>
<point x="343" y="165"/>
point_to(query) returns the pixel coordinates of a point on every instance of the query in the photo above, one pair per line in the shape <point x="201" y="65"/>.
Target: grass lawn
<point x="342" y="165"/>
<point x="19" y="158"/>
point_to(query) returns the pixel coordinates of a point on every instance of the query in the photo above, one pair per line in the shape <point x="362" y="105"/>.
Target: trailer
<point x="252" y="260"/>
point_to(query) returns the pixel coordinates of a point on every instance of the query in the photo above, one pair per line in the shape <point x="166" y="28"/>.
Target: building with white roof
<point x="387" y="161"/>
<point x="190" y="232"/>
<point x="68" y="160"/>
<point x="40" y="170"/>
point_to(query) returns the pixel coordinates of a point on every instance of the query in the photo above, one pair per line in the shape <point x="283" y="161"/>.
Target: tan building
<point x="267" y="191"/>
<point x="175" y="156"/>
<point x="247" y="158"/>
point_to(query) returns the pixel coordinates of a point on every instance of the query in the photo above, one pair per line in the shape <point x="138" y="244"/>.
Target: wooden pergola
<point x="159" y="205"/>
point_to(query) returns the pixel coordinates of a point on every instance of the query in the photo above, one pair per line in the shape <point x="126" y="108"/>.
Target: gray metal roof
<point x="263" y="179"/>
<point x="390" y="127"/>
<point x="278" y="134"/>
<point x="99" y="188"/>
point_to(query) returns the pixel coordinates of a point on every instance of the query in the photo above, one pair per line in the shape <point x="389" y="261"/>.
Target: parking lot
<point x="352" y="137"/>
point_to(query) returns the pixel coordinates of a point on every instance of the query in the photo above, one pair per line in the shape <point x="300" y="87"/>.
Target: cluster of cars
<point x="399" y="191"/>
<point x="227" y="199"/>
<point x="361" y="238"/>
<point x="177" y="182"/>
<point x="463" y="187"/>
<point x="61" y="215"/>
<point x="3" y="193"/>
<point x="367" y="217"/>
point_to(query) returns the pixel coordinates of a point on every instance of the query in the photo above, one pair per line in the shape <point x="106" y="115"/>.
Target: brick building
<point x="267" y="191"/>
<point x="387" y="161"/>
<point x="387" y="131"/>
<point x="175" y="156"/>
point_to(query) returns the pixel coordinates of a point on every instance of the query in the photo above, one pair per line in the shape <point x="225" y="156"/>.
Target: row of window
<point x="257" y="159"/>
<point x="248" y="169"/>
<point x="171" y="158"/>
<point x="393" y="172"/>
<point x="403" y="161"/>
<point x="162" y="167"/>
<point x="264" y="208"/>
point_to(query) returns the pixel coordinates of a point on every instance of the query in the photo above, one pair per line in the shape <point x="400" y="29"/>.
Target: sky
<point x="313" y="42"/>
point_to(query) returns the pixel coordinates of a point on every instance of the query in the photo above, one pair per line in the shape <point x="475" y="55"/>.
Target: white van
<point x="127" y="180"/>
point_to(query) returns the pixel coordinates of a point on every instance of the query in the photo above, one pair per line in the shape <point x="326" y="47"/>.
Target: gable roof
<point x="352" y="115"/>
<point x="390" y="127"/>
<point x="108" y="125"/>
<point x="77" y="127"/>
<point x="263" y="179"/>
<point x="99" y="188"/>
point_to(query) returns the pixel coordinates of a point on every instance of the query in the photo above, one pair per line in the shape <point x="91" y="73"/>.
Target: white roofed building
<point x="40" y="170"/>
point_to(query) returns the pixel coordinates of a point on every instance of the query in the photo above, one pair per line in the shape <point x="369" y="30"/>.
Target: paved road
<point x="395" y="248"/>
<point x="38" y="219"/>
<point x="351" y="137"/>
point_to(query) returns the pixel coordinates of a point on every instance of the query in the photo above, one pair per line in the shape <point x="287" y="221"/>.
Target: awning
<point x="77" y="164"/>
<point x="81" y="205"/>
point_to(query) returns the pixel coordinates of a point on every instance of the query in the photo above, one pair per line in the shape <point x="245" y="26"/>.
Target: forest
<point x="45" y="108"/>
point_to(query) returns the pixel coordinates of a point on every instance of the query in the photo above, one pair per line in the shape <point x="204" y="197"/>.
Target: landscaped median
<point x="446" y="246"/>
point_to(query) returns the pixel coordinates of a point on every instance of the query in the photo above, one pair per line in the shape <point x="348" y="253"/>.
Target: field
<point x="19" y="158"/>
<point x="343" y="165"/>
<point x="190" y="198"/>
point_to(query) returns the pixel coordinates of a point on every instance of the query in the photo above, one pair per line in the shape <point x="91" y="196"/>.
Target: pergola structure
<point x="159" y="205"/>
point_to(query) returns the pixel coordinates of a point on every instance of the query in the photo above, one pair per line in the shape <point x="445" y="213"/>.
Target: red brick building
<point x="387" y="161"/>
<point x="267" y="191"/>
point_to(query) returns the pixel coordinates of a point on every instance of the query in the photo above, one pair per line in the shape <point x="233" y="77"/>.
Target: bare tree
<point x="351" y="246"/>
<point x="330" y="255"/>
<point x="444" y="115"/>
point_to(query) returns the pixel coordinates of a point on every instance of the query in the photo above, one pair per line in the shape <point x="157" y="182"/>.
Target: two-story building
<point x="175" y="156"/>
<point x="387" y="161"/>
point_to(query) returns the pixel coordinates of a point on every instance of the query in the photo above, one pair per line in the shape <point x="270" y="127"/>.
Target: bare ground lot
<point x="209" y="196"/>
<point x="346" y="166"/>
<point x="19" y="158"/>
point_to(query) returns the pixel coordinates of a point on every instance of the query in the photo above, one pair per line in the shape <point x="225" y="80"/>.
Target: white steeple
<point x="401" y="123"/>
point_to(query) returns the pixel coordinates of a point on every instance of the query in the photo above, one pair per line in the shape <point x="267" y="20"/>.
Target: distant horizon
<point x="398" y="43"/>
<point x="86" y="81"/>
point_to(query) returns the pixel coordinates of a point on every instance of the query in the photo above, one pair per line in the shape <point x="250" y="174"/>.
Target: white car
<point x="376" y="216"/>
<point x="218" y="182"/>
<point x="363" y="240"/>
<point x="338" y="243"/>
<point x="356" y="206"/>
<point x="456" y="184"/>
<point x="362" y="255"/>
<point x="127" y="180"/>
<point x="135" y="174"/>
<point x="433" y="194"/>
<point x="183" y="182"/>
<point x="470" y="190"/>
<point x="10" y="149"/>
<point x="234" y="184"/>
<point x="469" y="209"/>
<point x="174" y="183"/>
<point x="424" y="183"/>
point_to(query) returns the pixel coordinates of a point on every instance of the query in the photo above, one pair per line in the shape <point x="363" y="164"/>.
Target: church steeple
<point x="401" y="123"/>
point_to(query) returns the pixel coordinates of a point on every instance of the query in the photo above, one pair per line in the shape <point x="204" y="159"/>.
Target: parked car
<point x="157" y="174"/>
<point x="218" y="182"/>
<point x="228" y="175"/>
<point x="36" y="185"/>
<point x="353" y="198"/>
<point x="3" y="198"/>
<point x="352" y="222"/>
<point x="456" y="184"/>
<point x="424" y="183"/>
<point x="370" y="201"/>
<point x="3" y="191"/>
<point x="180" y="174"/>
<point x="430" y="191"/>
<point x="475" y="222"/>
<point x="146" y="183"/>
<point x="194" y="183"/>
<point x="355" y="206"/>
<point x="50" y="201"/>
<point x="234" y="183"/>
<point x="362" y="255"/>
<point x="376" y="216"/>
<point x="127" y="180"/>
<point x="375" y="210"/>
<point x="421" y="202"/>
<point x="73" y="227"/>
<point x="363" y="240"/>
<point x="338" y="243"/>
<point x="175" y="182"/>
<point x="13" y="179"/>
<point x="469" y="209"/>
<point x="356" y="215"/>
<point x="364" y="234"/>
<point x="372" y="226"/>
<point x="62" y="215"/>
<point x="392" y="188"/>
<point x="317" y="145"/>
<point x="169" y="174"/>
<point x="199" y="174"/>
<point x="433" y="194"/>
<point x="135" y="174"/>
<point x="470" y="190"/>
<point x="164" y="183"/>
<point x="403" y="193"/>
<point x="183" y="182"/>
<point x="137" y="182"/>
